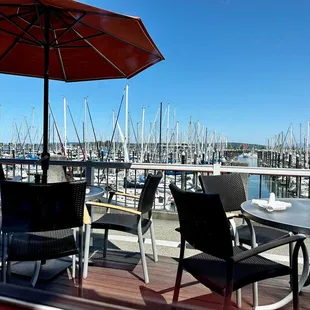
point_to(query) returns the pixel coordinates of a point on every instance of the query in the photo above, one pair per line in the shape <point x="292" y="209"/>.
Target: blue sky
<point x="239" y="67"/>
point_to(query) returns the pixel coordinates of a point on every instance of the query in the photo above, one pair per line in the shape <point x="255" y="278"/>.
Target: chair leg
<point x="105" y="243"/>
<point x="86" y="250"/>
<point x="36" y="272"/>
<point x="255" y="294"/>
<point x="8" y="271"/>
<point x="80" y="284"/>
<point x="153" y="242"/>
<point x="229" y="286"/>
<point x="177" y="283"/>
<point x="239" y="297"/>
<point x="74" y="256"/>
<point x="295" y="291"/>
<point x="143" y="259"/>
<point x="294" y="273"/>
<point x="227" y="299"/>
<point x="91" y="240"/>
<point x="4" y="250"/>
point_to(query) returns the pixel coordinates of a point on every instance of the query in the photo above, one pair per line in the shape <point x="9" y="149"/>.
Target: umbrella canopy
<point x="71" y="41"/>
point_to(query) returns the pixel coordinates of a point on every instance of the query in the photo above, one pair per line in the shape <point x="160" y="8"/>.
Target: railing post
<point x="89" y="173"/>
<point x="183" y="187"/>
<point x="216" y="169"/>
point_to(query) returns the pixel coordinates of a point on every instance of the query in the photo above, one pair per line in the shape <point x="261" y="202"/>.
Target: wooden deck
<point x="119" y="279"/>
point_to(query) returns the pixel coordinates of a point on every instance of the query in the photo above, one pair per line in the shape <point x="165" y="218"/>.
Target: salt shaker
<point x="272" y="198"/>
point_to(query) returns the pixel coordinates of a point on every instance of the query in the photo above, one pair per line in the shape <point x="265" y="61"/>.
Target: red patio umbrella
<point x="71" y="41"/>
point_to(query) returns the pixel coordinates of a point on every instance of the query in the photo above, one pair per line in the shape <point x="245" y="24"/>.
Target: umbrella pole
<point x="45" y="157"/>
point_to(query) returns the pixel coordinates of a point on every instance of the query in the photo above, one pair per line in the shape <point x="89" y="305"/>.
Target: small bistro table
<point x="92" y="193"/>
<point x="295" y="219"/>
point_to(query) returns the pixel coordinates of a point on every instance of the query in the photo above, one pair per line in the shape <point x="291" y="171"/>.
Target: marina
<point x="154" y="156"/>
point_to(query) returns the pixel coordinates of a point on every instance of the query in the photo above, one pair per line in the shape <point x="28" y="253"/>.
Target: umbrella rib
<point x="17" y="39"/>
<point x="28" y="43"/>
<point x="103" y="14"/>
<point x="20" y="28"/>
<point x="16" y="5"/>
<point x="120" y="39"/>
<point x="144" y="67"/>
<point x="68" y="28"/>
<point x="116" y="37"/>
<point x="17" y="15"/>
<point x="77" y="40"/>
<point x="18" y="36"/>
<point x="70" y="46"/>
<point x="59" y="54"/>
<point x="99" y="53"/>
<point x="92" y="46"/>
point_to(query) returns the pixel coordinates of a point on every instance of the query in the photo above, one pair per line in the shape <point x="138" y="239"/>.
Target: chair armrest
<point x="86" y="216"/>
<point x="267" y="246"/>
<point x="115" y="207"/>
<point x="126" y="195"/>
<point x="231" y="215"/>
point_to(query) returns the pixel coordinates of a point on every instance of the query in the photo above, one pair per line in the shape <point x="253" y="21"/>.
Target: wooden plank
<point x="119" y="278"/>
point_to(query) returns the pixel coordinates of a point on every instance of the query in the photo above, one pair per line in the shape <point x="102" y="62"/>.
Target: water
<point x="254" y="181"/>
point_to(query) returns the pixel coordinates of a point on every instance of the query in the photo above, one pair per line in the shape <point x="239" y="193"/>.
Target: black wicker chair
<point x="135" y="221"/>
<point x="221" y="266"/>
<point x="232" y="194"/>
<point x="231" y="190"/>
<point x="37" y="221"/>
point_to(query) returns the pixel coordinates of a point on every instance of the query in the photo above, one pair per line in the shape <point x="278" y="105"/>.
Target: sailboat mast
<point x="32" y="130"/>
<point x="113" y="126"/>
<point x="85" y="127"/>
<point x="160" y="127"/>
<point x="77" y="134"/>
<point x="93" y="127"/>
<point x="177" y="142"/>
<point x="307" y="145"/>
<point x="126" y="118"/>
<point x="142" y="135"/>
<point x="167" y="135"/>
<point x="65" y="126"/>
<point x="56" y="127"/>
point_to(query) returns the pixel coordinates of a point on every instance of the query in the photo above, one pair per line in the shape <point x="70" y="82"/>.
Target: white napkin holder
<point x="271" y="204"/>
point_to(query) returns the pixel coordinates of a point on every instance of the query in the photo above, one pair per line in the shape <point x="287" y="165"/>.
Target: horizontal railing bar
<point x="166" y="167"/>
<point x="267" y="171"/>
<point x="71" y="163"/>
<point x="239" y="169"/>
<point x="173" y="167"/>
<point x="12" y="161"/>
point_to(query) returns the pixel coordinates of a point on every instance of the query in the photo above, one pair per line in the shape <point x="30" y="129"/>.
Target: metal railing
<point x="110" y="175"/>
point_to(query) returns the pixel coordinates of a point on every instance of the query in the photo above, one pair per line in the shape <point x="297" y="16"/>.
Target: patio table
<point x="92" y="193"/>
<point x="53" y="267"/>
<point x="295" y="219"/>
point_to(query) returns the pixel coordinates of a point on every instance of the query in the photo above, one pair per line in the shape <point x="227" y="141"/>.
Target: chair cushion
<point x="41" y="245"/>
<point x="122" y="222"/>
<point x="263" y="234"/>
<point x="211" y="271"/>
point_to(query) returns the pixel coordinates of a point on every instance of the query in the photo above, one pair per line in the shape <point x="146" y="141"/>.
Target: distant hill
<point x="241" y="145"/>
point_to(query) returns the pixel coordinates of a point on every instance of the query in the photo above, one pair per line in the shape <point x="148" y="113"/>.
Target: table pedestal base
<point x="302" y="281"/>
